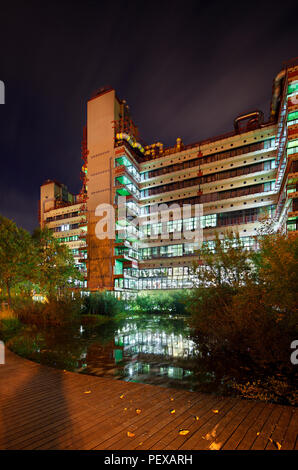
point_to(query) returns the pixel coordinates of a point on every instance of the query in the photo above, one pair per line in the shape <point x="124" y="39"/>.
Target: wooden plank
<point x="110" y="411"/>
<point x="235" y="438"/>
<point x="290" y="437"/>
<point x="44" y="408"/>
<point x="160" y="428"/>
<point x="162" y="440"/>
<point x="198" y="429"/>
<point x="92" y="411"/>
<point x="277" y="437"/>
<point x="262" y="438"/>
<point x="220" y="429"/>
<point x="143" y="426"/>
<point x="129" y="423"/>
<point x="251" y="434"/>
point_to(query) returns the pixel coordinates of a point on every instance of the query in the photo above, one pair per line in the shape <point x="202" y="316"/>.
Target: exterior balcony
<point x="292" y="177"/>
<point x="129" y="231"/>
<point x="125" y="187"/>
<point x="122" y="190"/>
<point x="129" y="171"/>
<point x="293" y="195"/>
<point x="122" y="243"/>
<point x="119" y="170"/>
<point x="293" y="131"/>
<point x="126" y="254"/>
<point x="83" y="256"/>
<point x="83" y="234"/>
<point x="132" y="263"/>
<point x="118" y="276"/>
<point x="293" y="214"/>
<point x="83" y="223"/>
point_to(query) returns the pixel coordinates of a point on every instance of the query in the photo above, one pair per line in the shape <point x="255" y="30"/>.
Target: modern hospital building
<point x="237" y="179"/>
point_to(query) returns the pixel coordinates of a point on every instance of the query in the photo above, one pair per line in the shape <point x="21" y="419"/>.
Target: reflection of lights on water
<point x="157" y="342"/>
<point x="81" y="329"/>
<point x="140" y="368"/>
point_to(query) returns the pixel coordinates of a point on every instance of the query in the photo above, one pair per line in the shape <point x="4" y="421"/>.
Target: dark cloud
<point x="186" y="69"/>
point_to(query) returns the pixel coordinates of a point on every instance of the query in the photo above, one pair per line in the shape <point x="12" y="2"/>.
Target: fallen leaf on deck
<point x="172" y="399"/>
<point x="130" y="434"/>
<point x="275" y="443"/>
<point x="172" y="411"/>
<point x="196" y="418"/>
<point x="88" y="391"/>
<point x="125" y="409"/>
<point x="211" y="435"/>
<point x="122" y="396"/>
<point x="215" y="446"/>
<point x="138" y="411"/>
<point x="183" y="432"/>
<point x="215" y="411"/>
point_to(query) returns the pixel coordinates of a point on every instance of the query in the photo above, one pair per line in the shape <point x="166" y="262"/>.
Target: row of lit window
<point x="185" y="249"/>
<point x="62" y="216"/>
<point x="167" y="283"/>
<point x="68" y="239"/>
<point x="217" y="176"/>
<point x="266" y="144"/>
<point x="65" y="228"/>
<point x="216" y="196"/>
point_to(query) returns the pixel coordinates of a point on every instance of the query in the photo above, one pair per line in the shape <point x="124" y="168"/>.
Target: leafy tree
<point x="276" y="264"/>
<point x="225" y="265"/>
<point x="17" y="256"/>
<point x="55" y="270"/>
<point x="244" y="305"/>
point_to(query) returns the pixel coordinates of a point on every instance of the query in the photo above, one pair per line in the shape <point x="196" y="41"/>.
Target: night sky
<point x="186" y="69"/>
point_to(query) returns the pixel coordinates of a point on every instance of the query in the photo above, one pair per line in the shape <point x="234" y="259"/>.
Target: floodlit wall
<point x="101" y="112"/>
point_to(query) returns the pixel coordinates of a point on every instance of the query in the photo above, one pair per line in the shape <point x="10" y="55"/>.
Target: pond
<point x="148" y="349"/>
<point x="155" y="349"/>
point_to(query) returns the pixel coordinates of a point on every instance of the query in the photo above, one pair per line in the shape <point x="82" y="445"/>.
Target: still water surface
<point x="154" y="350"/>
<point x="148" y="349"/>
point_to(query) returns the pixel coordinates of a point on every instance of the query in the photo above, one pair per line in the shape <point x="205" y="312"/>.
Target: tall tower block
<point x="102" y="111"/>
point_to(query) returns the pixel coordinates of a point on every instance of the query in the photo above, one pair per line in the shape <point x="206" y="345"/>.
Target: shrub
<point x="173" y="303"/>
<point x="251" y="317"/>
<point x="102" y="303"/>
<point x="56" y="312"/>
<point x="276" y="390"/>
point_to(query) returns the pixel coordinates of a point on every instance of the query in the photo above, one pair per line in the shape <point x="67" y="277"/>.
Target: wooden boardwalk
<point x="44" y="408"/>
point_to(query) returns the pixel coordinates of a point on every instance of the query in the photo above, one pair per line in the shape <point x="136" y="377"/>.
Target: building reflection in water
<point x="152" y="355"/>
<point x="157" y="342"/>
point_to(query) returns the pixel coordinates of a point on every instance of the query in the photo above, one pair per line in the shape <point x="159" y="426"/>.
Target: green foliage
<point x="160" y="303"/>
<point x="244" y="305"/>
<point x="9" y="327"/>
<point x="102" y="303"/>
<point x="56" y="312"/>
<point x="227" y="265"/>
<point x="17" y="256"/>
<point x="36" y="263"/>
<point x="55" y="271"/>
